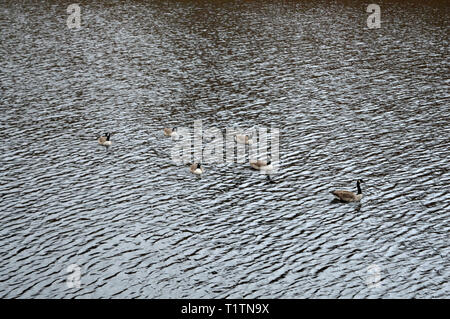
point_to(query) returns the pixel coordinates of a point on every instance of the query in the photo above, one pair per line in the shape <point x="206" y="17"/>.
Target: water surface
<point x="350" y="102"/>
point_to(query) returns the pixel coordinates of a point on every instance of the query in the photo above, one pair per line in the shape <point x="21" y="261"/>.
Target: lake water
<point x="350" y="102"/>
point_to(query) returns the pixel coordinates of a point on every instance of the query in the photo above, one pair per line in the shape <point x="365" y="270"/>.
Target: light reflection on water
<point x="349" y="102"/>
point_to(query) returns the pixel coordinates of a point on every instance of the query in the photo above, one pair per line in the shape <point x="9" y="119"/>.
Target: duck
<point x="172" y="132"/>
<point x="243" y="139"/>
<point x="261" y="165"/>
<point x="196" y="169"/>
<point x="348" y="196"/>
<point x="105" y="140"/>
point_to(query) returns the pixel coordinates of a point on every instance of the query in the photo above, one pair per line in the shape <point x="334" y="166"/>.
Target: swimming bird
<point x="243" y="139"/>
<point x="172" y="132"/>
<point x="347" y="196"/>
<point x="261" y="165"/>
<point x="105" y="140"/>
<point x="196" y="169"/>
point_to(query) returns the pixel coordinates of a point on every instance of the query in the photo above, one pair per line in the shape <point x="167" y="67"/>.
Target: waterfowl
<point x="261" y="165"/>
<point x="347" y="196"/>
<point x="243" y="139"/>
<point x="196" y="169"/>
<point x="104" y="140"/>
<point x="172" y="132"/>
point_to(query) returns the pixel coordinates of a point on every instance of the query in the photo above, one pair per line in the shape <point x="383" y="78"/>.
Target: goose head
<point x="358" y="185"/>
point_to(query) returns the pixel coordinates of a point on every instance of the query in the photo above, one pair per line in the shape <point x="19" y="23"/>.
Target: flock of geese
<point x="197" y="169"/>
<point x="261" y="165"/>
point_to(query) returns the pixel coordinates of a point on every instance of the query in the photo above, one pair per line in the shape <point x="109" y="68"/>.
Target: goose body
<point x="243" y="139"/>
<point x="172" y="132"/>
<point x="261" y="165"/>
<point x="348" y="196"/>
<point x="196" y="169"/>
<point x="105" y="140"/>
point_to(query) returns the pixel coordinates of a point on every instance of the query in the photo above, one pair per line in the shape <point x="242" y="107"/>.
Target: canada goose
<point x="261" y="165"/>
<point x="243" y="139"/>
<point x="104" y="140"/>
<point x="347" y="196"/>
<point x="172" y="132"/>
<point x="196" y="169"/>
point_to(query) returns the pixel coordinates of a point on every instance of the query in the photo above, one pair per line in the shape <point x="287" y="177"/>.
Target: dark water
<point x="350" y="102"/>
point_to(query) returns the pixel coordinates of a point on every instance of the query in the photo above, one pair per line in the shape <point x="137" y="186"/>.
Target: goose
<point x="347" y="196"/>
<point x="172" y="132"/>
<point x="104" y="140"/>
<point x="196" y="169"/>
<point x="243" y="139"/>
<point x="261" y="165"/>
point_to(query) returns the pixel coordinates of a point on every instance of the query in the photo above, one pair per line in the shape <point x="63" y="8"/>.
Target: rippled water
<point x="350" y="102"/>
